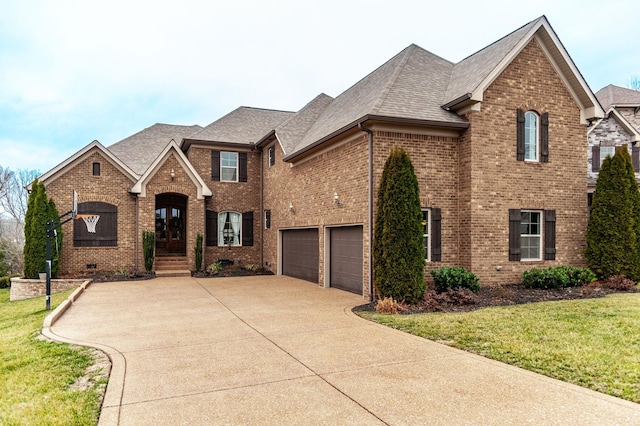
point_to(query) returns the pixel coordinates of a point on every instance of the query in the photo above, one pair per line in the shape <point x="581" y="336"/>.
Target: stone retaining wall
<point x="27" y="289"/>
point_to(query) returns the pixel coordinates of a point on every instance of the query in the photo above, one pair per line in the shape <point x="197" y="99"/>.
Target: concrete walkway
<point x="276" y="350"/>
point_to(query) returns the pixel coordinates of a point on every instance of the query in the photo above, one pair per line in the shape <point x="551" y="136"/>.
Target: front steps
<point x="172" y="266"/>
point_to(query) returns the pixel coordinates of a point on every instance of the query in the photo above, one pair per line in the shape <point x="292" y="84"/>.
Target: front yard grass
<point x="593" y="343"/>
<point x="36" y="376"/>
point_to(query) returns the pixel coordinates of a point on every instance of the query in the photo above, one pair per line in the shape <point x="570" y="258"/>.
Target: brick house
<point x="497" y="141"/>
<point x="619" y="127"/>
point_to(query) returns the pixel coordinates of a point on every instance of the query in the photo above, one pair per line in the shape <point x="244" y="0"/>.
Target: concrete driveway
<point x="276" y="350"/>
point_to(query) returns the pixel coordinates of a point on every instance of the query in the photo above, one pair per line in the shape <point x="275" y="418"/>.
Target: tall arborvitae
<point x="40" y="209"/>
<point x="398" y="253"/>
<point x="613" y="233"/>
<point x="35" y="232"/>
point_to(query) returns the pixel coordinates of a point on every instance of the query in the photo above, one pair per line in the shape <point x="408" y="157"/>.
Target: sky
<point x="76" y="71"/>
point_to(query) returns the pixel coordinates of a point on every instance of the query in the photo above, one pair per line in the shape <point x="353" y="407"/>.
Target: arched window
<point x="531" y="136"/>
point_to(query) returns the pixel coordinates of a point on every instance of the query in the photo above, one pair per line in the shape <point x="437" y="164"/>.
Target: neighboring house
<point x="619" y="127"/>
<point x="497" y="141"/>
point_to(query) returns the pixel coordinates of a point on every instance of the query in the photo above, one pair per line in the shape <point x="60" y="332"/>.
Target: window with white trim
<point x="229" y="166"/>
<point x="530" y="235"/>
<point x="426" y="228"/>
<point x="606" y="151"/>
<point x="531" y="136"/>
<point x="229" y="229"/>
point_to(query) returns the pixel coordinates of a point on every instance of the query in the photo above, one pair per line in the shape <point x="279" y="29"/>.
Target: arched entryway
<point x="171" y="225"/>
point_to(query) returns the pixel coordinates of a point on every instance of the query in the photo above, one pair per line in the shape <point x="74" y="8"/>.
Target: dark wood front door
<point x="171" y="224"/>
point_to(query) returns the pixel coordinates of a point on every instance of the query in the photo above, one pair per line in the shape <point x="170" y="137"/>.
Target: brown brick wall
<point x="435" y="161"/>
<point x="232" y="196"/>
<point x="310" y="186"/>
<point x="112" y="187"/>
<point x="182" y="184"/>
<point x="499" y="182"/>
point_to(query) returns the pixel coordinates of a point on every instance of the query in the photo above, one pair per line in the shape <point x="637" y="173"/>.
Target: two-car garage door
<point x="300" y="256"/>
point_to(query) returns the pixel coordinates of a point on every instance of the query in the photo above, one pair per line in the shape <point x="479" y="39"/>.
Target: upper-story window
<point x="229" y="166"/>
<point x="96" y="169"/>
<point x="531" y="136"/>
<point x="532" y="143"/>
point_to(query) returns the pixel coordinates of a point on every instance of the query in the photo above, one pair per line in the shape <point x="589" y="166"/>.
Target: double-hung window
<point x="531" y="235"/>
<point x="229" y="166"/>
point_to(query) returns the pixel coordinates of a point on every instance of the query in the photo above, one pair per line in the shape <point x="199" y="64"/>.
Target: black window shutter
<point x="514" y="234"/>
<point x="635" y="158"/>
<point x="272" y="155"/>
<point x="549" y="235"/>
<point x="242" y="167"/>
<point x="544" y="138"/>
<point x="267" y="219"/>
<point x="247" y="228"/>
<point x="436" y="235"/>
<point x="212" y="228"/>
<point x="215" y="165"/>
<point x="520" y="136"/>
<point x="595" y="158"/>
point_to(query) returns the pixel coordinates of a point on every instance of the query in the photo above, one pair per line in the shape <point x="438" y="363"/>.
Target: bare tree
<point x="13" y="191"/>
<point x="634" y="83"/>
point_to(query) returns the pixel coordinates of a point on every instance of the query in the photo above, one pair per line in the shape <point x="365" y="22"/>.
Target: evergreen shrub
<point x="557" y="277"/>
<point x="613" y="232"/>
<point x="398" y="253"/>
<point x="198" y="252"/>
<point x="455" y="278"/>
<point x="148" y="248"/>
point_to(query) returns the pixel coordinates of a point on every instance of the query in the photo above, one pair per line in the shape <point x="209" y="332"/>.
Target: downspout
<point x="137" y="231"/>
<point x="370" y="210"/>
<point x="262" y="225"/>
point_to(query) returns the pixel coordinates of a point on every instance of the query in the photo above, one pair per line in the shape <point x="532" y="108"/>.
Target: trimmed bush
<point x="455" y="277"/>
<point x="398" y="253"/>
<point x="557" y="277"/>
<point x="148" y="248"/>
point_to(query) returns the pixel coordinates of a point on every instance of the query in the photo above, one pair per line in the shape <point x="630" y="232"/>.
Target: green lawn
<point x="36" y="375"/>
<point x="593" y="343"/>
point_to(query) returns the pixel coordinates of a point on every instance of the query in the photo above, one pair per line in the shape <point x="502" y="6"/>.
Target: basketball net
<point x="90" y="220"/>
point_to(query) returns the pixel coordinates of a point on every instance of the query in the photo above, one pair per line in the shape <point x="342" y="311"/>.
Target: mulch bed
<point x="514" y="294"/>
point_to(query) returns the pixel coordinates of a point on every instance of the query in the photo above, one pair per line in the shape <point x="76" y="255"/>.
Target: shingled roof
<point x="409" y="86"/>
<point x="138" y="151"/>
<point x="244" y="125"/>
<point x="468" y="74"/>
<point x="617" y="96"/>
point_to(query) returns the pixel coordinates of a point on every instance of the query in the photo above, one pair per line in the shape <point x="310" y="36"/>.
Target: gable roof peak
<point x="612" y="95"/>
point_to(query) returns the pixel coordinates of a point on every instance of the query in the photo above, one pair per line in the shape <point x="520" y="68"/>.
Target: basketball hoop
<point x="90" y="220"/>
